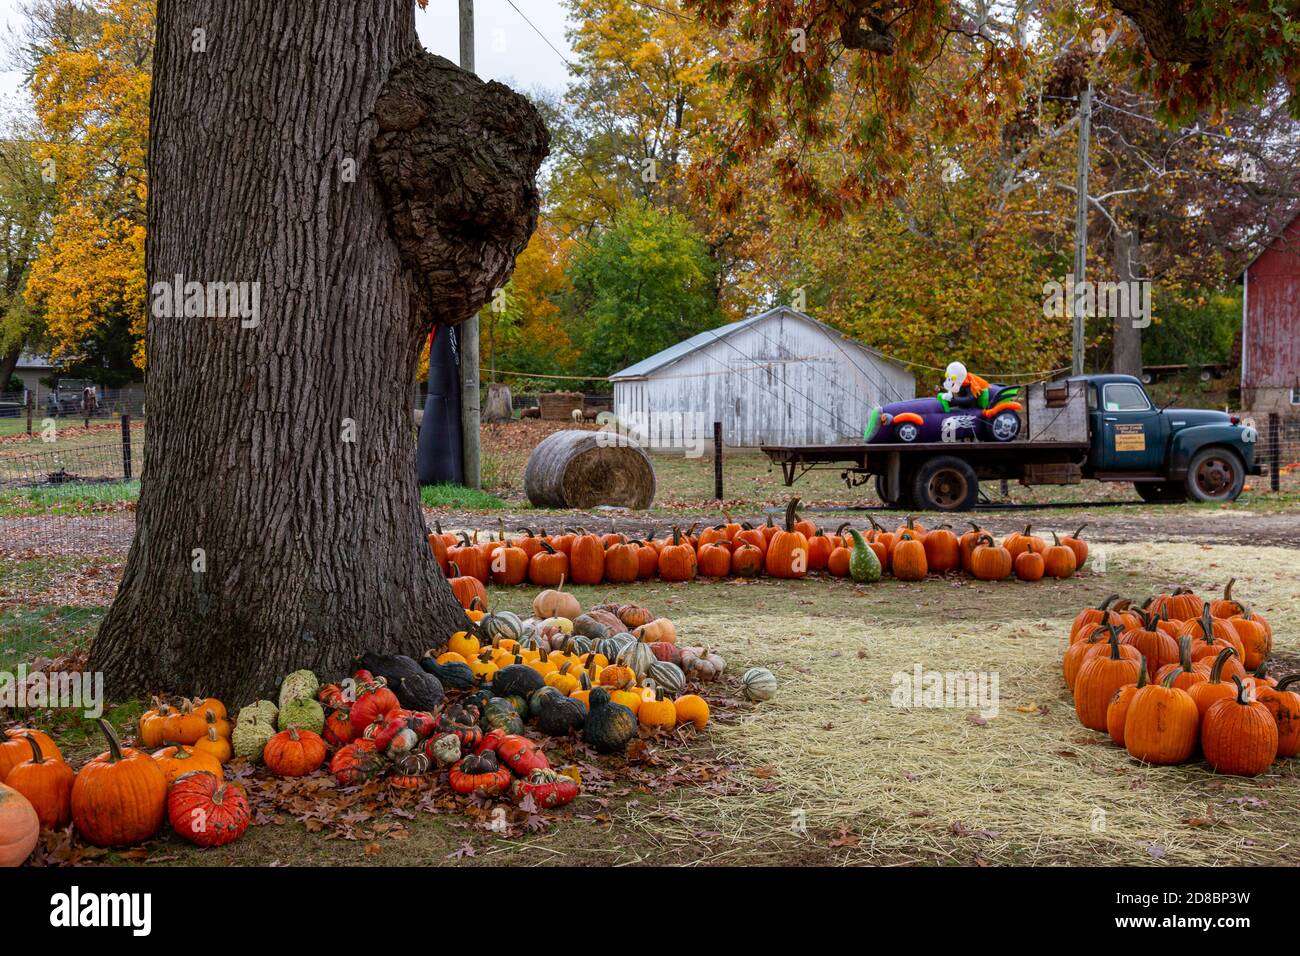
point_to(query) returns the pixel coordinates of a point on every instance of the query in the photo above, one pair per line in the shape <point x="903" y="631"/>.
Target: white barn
<point x="777" y="378"/>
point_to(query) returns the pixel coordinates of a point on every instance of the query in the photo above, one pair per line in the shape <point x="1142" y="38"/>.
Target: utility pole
<point x="1080" y="227"/>
<point x="469" y="400"/>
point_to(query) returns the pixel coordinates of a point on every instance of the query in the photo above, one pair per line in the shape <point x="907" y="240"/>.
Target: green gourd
<point x="864" y="566"/>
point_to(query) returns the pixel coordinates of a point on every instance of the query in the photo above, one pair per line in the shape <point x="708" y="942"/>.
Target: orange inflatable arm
<point x="1002" y="407"/>
<point x="912" y="417"/>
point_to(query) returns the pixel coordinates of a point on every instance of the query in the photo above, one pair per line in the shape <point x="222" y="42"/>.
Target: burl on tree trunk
<point x="362" y="190"/>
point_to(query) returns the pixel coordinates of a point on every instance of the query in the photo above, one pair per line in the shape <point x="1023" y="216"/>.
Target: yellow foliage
<point x="93" y="107"/>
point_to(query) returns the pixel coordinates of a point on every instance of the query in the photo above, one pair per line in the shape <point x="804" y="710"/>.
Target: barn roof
<point x="1269" y="245"/>
<point x="675" y="353"/>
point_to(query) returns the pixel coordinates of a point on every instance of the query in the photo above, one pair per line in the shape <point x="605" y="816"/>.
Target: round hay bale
<point x="581" y="469"/>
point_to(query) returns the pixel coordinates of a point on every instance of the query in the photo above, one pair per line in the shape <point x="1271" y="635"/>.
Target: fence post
<point x="126" y="446"/>
<point x="717" y="460"/>
<point x="31" y="404"/>
<point x="1274" y="451"/>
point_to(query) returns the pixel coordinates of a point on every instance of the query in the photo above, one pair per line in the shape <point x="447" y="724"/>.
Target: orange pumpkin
<point x="714" y="559"/>
<point x="120" y="797"/>
<point x="1029" y="566"/>
<point x="621" y="562"/>
<point x="548" y="567"/>
<point x="20" y="827"/>
<point x="942" y="551"/>
<point x="586" y="559"/>
<point x="677" y="560"/>
<point x="989" y="562"/>
<point x="787" y="551"/>
<point x="180" y="759"/>
<point x="466" y="587"/>
<point x="46" y="782"/>
<point x="14" y="748"/>
<point x="909" y="561"/>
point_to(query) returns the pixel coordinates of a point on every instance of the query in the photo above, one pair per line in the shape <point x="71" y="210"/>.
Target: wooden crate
<point x="559" y="406"/>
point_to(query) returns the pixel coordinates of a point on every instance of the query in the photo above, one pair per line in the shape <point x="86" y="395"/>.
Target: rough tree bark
<point x="370" y="189"/>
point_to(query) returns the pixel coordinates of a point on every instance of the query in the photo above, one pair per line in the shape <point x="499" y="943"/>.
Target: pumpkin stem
<point x="1078" y="530"/>
<point x="1185" y="653"/>
<point x="1142" y="671"/>
<point x="114" y="744"/>
<point x="790" y="516"/>
<point x="37" y="756"/>
<point x="1227" y="589"/>
<point x="1241" y="689"/>
<point x="1216" y="672"/>
<point x="454" y="568"/>
<point x="1287" y="681"/>
<point x="840" y="530"/>
<point x="1113" y="640"/>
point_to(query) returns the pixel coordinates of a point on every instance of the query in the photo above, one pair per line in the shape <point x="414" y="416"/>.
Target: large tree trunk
<point x="9" y="362"/>
<point x="1126" y="333"/>
<point x="279" y="523"/>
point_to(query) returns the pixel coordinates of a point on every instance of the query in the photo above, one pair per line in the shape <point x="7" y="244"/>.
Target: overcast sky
<point x="506" y="48"/>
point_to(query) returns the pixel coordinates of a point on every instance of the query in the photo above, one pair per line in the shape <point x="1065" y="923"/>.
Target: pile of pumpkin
<point x="732" y="549"/>
<point x="1178" y="672"/>
<point x="122" y="797"/>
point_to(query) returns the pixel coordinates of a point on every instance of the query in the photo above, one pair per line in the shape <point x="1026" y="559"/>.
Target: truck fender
<point x="1189" y="441"/>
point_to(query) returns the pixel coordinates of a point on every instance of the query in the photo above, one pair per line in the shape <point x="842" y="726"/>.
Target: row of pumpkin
<point x="1178" y="673"/>
<point x="732" y="549"/>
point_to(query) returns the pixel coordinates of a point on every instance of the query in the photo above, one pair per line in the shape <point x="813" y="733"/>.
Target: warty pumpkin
<point x="865" y="564"/>
<point x="46" y="782"/>
<point x="206" y="811"/>
<point x="120" y="797"/>
<point x="1239" y="735"/>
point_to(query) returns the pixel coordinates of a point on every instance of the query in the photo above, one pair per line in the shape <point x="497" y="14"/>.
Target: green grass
<point x="30" y="632"/>
<point x="463" y="499"/>
<point x="70" y="499"/>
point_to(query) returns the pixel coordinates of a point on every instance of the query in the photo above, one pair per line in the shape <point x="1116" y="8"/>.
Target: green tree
<point x="643" y="284"/>
<point x="26" y="200"/>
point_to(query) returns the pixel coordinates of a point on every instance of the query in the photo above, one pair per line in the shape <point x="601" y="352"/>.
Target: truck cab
<point x="1170" y="454"/>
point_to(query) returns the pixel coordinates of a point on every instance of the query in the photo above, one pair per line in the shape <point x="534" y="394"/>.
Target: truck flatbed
<point x="798" y="460"/>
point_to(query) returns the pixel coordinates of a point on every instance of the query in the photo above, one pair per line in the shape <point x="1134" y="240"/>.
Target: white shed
<point x="777" y="378"/>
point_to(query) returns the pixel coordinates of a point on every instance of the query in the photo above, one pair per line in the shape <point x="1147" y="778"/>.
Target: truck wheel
<point x="945" y="483"/>
<point x="1005" y="426"/>
<point x="1215" y="474"/>
<point x="1160" y="492"/>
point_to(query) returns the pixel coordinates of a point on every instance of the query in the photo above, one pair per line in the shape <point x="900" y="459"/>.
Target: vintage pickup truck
<point x="1102" y="427"/>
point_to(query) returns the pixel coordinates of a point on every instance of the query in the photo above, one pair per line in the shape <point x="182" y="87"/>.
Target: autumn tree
<point x="26" y="198"/>
<point x="644" y="283"/>
<point x="89" y="66"/>
<point x="327" y="191"/>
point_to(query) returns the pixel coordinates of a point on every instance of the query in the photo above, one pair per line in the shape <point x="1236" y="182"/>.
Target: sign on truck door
<point x="1131" y="430"/>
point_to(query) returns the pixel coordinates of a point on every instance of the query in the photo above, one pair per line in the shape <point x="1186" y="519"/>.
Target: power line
<point x="540" y="33"/>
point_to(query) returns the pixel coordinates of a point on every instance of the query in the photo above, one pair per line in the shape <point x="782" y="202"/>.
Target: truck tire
<point x="1215" y="474"/>
<point x="945" y="483"/>
<point x="1160" y="492"/>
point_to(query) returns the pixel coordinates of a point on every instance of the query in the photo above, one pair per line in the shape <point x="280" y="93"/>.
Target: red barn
<point x="1270" y="326"/>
